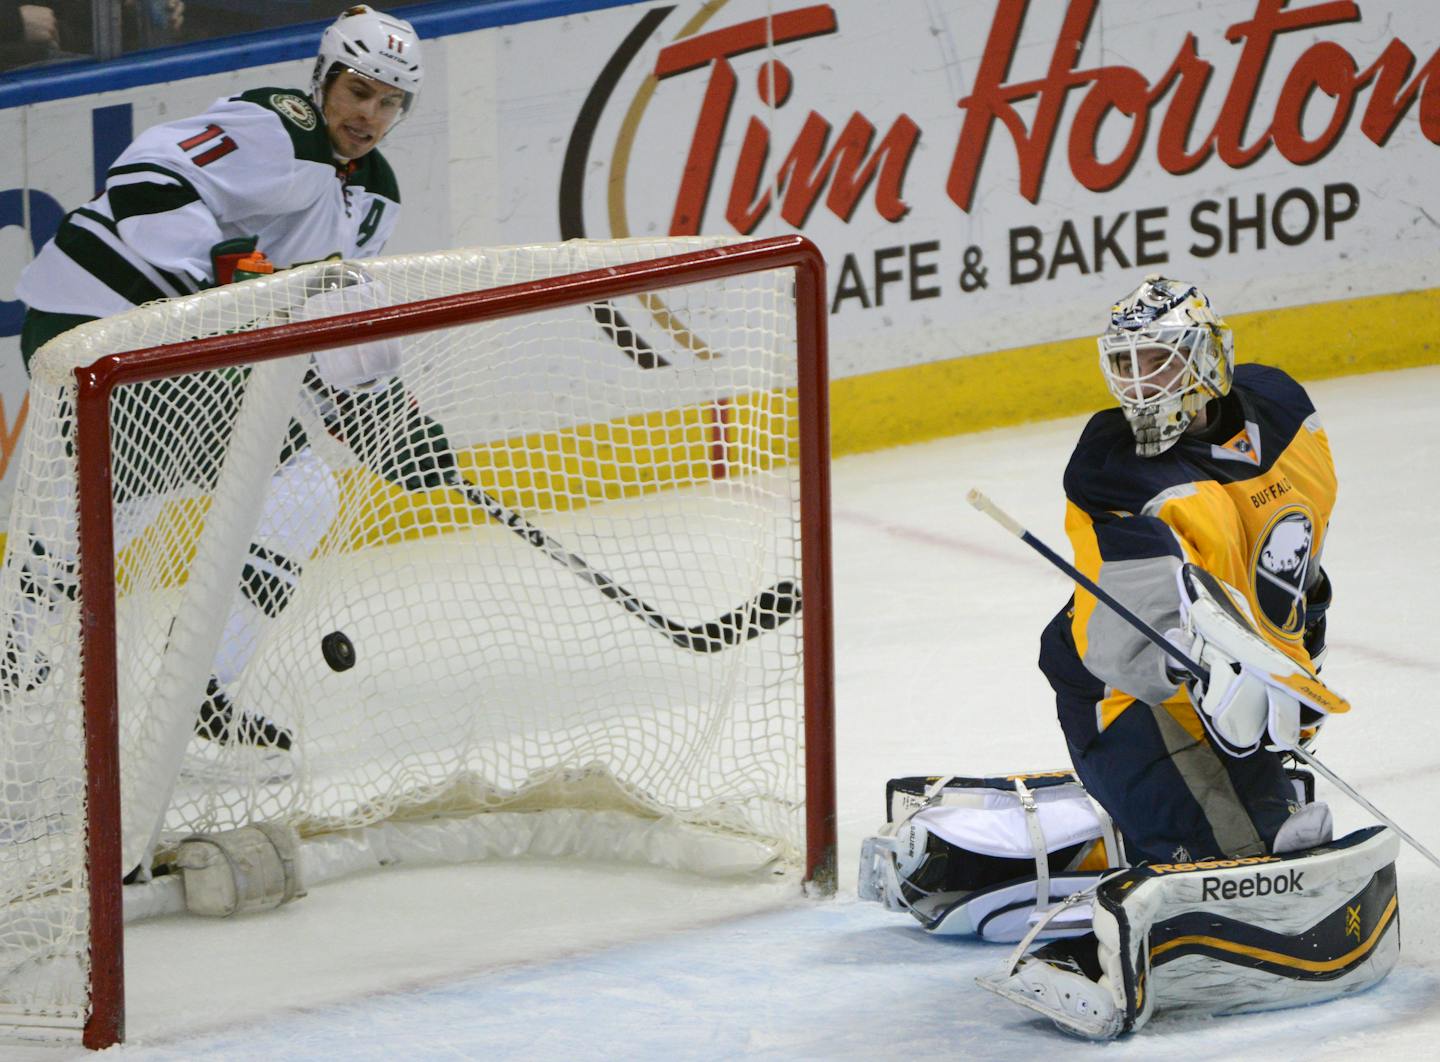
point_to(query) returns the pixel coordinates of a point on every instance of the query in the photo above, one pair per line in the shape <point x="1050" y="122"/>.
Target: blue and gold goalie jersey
<point x="1250" y="504"/>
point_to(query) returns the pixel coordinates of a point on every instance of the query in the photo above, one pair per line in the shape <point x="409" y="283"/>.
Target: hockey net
<point x="565" y="543"/>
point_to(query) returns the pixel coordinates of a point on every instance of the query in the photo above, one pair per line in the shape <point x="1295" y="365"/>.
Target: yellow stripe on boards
<point x="1060" y="379"/>
<point x="565" y="470"/>
<point x="973" y="393"/>
<point x="984" y="391"/>
<point x="164" y="550"/>
<point x="545" y="472"/>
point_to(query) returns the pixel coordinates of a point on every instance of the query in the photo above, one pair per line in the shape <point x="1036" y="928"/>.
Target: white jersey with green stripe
<point x="257" y="164"/>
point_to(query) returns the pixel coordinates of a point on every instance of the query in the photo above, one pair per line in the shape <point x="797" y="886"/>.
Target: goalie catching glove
<point x="1255" y="693"/>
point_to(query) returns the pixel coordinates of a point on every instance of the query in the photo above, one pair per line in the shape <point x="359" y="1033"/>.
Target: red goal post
<point x="98" y="381"/>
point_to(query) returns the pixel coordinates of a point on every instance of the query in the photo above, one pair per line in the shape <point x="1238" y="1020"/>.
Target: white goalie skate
<point x="1058" y="989"/>
<point x="1062" y="980"/>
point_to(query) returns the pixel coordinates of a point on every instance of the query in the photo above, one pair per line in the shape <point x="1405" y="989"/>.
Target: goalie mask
<point x="1164" y="356"/>
<point x="372" y="44"/>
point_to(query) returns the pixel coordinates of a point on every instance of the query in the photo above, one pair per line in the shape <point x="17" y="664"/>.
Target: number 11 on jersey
<point x="205" y="136"/>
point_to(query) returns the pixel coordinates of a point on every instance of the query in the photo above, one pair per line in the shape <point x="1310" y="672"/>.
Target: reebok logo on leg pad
<point x="1258" y="885"/>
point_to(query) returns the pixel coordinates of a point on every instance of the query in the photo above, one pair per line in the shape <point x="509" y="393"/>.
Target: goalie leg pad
<point x="979" y="856"/>
<point x="1223" y="936"/>
<point x="1233" y="935"/>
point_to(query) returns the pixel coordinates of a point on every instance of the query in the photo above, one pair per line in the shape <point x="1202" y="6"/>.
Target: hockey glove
<point x="1317" y="604"/>
<point x="226" y="255"/>
<point x="363" y="365"/>
<point x="1255" y="692"/>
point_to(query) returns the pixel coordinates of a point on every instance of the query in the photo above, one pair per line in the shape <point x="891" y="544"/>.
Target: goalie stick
<point x="764" y="612"/>
<point x="978" y="499"/>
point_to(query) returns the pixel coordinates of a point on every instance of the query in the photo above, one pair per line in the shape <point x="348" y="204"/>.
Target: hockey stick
<point x="1354" y="794"/>
<point x="764" y="612"/>
<point x="990" y="509"/>
<point x="985" y="505"/>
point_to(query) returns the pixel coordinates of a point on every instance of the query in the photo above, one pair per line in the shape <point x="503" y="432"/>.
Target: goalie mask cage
<point x="567" y="540"/>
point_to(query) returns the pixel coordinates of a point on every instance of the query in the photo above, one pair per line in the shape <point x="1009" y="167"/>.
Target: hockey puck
<point x="338" y="650"/>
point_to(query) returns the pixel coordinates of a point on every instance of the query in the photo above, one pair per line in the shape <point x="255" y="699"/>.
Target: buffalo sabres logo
<point x="1159" y="298"/>
<point x="1281" y="568"/>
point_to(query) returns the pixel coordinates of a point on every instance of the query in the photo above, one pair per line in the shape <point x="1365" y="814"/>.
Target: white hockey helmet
<point x="1164" y="356"/>
<point x="373" y="44"/>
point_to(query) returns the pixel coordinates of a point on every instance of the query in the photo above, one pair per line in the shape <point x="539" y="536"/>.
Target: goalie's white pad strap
<point x="1019" y="831"/>
<point x="1094" y="1010"/>
<point x="1233" y="935"/>
<point x="1114" y="847"/>
<point x="1039" y="849"/>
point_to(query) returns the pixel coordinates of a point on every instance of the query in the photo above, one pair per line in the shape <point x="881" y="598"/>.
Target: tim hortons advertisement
<point x="982" y="175"/>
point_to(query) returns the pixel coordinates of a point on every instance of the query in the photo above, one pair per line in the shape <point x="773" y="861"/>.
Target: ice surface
<point x="938" y="613"/>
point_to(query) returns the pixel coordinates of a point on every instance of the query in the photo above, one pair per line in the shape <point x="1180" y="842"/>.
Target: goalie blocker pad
<point x="1254" y="691"/>
<point x="1225" y="936"/>
<point x="961" y="854"/>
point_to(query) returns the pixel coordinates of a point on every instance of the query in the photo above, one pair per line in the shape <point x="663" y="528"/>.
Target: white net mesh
<point x="651" y="440"/>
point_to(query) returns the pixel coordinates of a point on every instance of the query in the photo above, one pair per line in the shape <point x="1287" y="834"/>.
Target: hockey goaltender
<point x="1183" y="865"/>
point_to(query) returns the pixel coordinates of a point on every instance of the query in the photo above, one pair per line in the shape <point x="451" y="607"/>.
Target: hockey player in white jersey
<point x="295" y="175"/>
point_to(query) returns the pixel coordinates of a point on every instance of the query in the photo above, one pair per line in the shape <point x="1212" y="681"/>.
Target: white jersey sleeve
<point x="223" y="173"/>
<point x="254" y="165"/>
